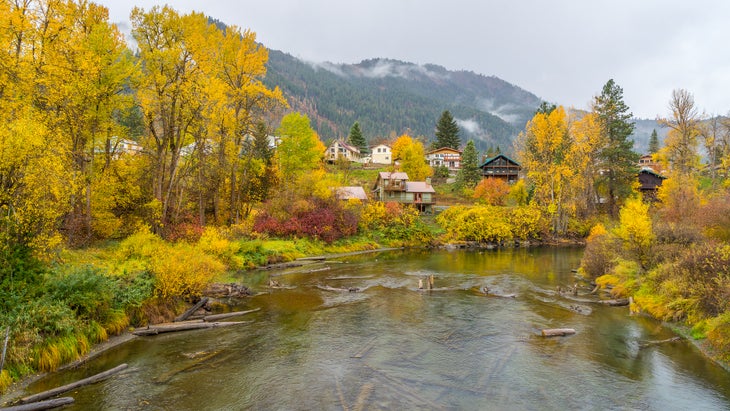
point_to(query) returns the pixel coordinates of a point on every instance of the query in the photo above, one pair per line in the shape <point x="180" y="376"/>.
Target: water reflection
<point x="392" y="346"/>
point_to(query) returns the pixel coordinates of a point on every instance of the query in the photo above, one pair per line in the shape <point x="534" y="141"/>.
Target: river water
<point x="390" y="346"/>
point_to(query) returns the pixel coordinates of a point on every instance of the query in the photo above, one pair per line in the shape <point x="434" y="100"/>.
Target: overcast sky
<point x="562" y="51"/>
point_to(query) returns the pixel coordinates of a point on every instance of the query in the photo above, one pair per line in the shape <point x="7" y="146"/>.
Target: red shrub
<point x="326" y="220"/>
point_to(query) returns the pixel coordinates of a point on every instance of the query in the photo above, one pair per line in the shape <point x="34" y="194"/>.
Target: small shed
<point x="351" y="192"/>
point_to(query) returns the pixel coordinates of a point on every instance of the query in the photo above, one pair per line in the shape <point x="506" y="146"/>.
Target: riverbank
<point x="17" y="389"/>
<point x="702" y="345"/>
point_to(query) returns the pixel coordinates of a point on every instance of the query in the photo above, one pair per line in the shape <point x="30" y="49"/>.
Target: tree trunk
<point x="184" y="316"/>
<point x="68" y="387"/>
<point x="168" y="328"/>
<point x="42" y="405"/>
<point x="557" y="332"/>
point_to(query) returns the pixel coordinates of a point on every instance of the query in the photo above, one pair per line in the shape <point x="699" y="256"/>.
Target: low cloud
<point x="505" y="111"/>
<point x="331" y="67"/>
<point x="470" y="126"/>
<point x="379" y="69"/>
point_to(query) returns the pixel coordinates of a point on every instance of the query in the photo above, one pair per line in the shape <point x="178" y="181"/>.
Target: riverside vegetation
<point x="100" y="233"/>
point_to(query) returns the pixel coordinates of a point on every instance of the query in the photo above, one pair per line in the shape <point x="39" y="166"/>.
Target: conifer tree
<point x="356" y="138"/>
<point x="653" y="142"/>
<point x="618" y="160"/>
<point x="469" y="175"/>
<point x="447" y="132"/>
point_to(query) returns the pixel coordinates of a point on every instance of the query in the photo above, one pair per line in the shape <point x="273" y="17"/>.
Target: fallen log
<point x="215" y="317"/>
<point x="645" y="344"/>
<point x="615" y="303"/>
<point x="41" y="405"/>
<point x="342" y="290"/>
<point x="184" y="316"/>
<point x="168" y="328"/>
<point x="68" y="387"/>
<point x="165" y="378"/>
<point x="557" y="332"/>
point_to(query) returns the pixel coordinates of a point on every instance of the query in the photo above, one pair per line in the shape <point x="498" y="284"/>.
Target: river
<point x="390" y="346"/>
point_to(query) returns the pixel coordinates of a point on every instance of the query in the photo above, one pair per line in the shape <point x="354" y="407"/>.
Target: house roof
<point x="346" y="146"/>
<point x="649" y="170"/>
<point x="397" y="175"/>
<point x="382" y="145"/>
<point x="438" y="150"/>
<point x="419" y="187"/>
<point x="489" y="160"/>
<point x="346" y="193"/>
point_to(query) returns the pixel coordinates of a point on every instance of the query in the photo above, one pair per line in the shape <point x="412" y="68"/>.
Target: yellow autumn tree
<point x="587" y="141"/>
<point x="171" y="93"/>
<point x="635" y="229"/>
<point x="411" y="154"/>
<point x="544" y="148"/>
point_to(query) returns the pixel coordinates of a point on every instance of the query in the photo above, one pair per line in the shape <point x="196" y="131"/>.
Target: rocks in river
<point x="220" y="290"/>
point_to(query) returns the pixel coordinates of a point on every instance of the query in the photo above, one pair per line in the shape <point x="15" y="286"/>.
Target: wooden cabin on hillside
<point x="501" y="166"/>
<point x="649" y="182"/>
<point x="396" y="187"/>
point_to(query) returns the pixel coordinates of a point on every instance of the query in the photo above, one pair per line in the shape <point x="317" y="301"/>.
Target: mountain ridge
<point x="390" y="97"/>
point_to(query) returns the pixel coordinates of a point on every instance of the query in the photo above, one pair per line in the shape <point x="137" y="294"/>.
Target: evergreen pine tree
<point x="447" y="132"/>
<point x="653" y="142"/>
<point x="618" y="160"/>
<point x="469" y="174"/>
<point x="260" y="147"/>
<point x="357" y="139"/>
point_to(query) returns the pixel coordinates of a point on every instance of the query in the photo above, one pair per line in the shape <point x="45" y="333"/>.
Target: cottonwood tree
<point x="171" y="93"/>
<point x="544" y="148"/>
<point x="680" y="146"/>
<point x="710" y="132"/>
<point x="411" y="155"/>
<point x="300" y="151"/>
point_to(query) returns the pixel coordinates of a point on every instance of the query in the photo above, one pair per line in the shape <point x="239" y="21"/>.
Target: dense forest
<point x="389" y="98"/>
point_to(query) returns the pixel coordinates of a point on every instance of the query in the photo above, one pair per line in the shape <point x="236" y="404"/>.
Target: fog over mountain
<point x="391" y="97"/>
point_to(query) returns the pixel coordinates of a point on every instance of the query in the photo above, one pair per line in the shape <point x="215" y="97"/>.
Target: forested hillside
<point x="390" y="97"/>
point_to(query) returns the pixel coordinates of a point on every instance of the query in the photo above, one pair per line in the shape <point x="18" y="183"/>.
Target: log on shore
<point x="215" y="317"/>
<point x="68" y="387"/>
<point x="184" y="316"/>
<point x="557" y="332"/>
<point x="168" y="328"/>
<point x="615" y="303"/>
<point x="41" y="405"/>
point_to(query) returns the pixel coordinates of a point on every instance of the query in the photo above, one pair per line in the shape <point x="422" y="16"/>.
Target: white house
<point x="340" y="149"/>
<point x="444" y="156"/>
<point x="381" y="154"/>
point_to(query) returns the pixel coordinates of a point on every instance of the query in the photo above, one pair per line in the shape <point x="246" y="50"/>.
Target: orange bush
<point x="492" y="191"/>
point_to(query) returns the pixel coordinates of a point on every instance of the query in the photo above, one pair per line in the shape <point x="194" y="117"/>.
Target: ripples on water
<point x="392" y="346"/>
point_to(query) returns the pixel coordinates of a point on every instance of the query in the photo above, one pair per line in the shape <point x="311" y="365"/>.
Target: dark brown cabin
<point x="501" y="166"/>
<point x="649" y="182"/>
